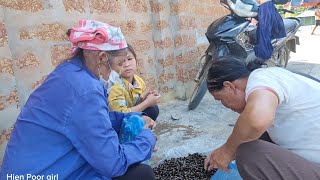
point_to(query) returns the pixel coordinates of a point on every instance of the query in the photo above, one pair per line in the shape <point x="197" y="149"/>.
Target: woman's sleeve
<point x="116" y="118"/>
<point x="266" y="81"/>
<point x="90" y="131"/>
<point x="117" y="100"/>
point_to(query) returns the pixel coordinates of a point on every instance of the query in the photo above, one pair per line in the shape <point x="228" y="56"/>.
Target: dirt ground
<point x="208" y="126"/>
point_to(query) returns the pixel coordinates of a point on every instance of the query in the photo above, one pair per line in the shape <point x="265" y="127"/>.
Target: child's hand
<point x="143" y="97"/>
<point x="152" y="99"/>
<point x="155" y="93"/>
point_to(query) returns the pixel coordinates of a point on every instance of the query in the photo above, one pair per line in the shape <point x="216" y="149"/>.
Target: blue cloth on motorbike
<point x="270" y="26"/>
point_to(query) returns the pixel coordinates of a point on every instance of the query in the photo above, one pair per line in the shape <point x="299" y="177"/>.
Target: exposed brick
<point x="5" y="134"/>
<point x="223" y="11"/>
<point x="161" y="25"/>
<point x="168" y="61"/>
<point x="150" y="81"/>
<point x="150" y="60"/>
<point x="55" y="32"/>
<point x="156" y="7"/>
<point x="184" y="40"/>
<point x="116" y="23"/>
<point x="28" y="60"/>
<point x="2" y="106"/>
<point x="166" y="90"/>
<point x="141" y="45"/>
<point x="3" y="35"/>
<point x="24" y="35"/>
<point x="202" y="49"/>
<point x="128" y="27"/>
<point x="166" y="43"/>
<point x="6" y="66"/>
<point x="188" y="57"/>
<point x="137" y="5"/>
<point x="165" y="77"/>
<point x="5" y="101"/>
<point x="74" y="5"/>
<point x="13" y="98"/>
<point x="23" y="5"/>
<point x="104" y="6"/>
<point x="213" y="10"/>
<point x="60" y="53"/>
<point x="178" y="8"/>
<point x="146" y="27"/>
<point x="36" y="84"/>
<point x="187" y="23"/>
<point x="185" y="75"/>
<point x="174" y="9"/>
<point x="201" y="10"/>
<point x="140" y="66"/>
<point x="210" y="1"/>
<point x="205" y="22"/>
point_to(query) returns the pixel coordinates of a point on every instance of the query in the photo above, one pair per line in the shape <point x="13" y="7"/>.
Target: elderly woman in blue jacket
<point x="65" y="129"/>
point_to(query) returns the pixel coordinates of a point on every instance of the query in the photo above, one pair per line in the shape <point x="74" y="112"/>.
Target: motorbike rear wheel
<point x="201" y="85"/>
<point x="281" y="57"/>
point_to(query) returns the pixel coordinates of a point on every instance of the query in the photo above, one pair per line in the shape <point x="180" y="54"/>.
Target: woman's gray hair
<point x="227" y="68"/>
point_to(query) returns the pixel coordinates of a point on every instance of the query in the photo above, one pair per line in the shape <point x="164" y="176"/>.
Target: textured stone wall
<point x="168" y="36"/>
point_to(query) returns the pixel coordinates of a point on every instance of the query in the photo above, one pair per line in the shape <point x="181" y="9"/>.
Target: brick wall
<point x="168" y="36"/>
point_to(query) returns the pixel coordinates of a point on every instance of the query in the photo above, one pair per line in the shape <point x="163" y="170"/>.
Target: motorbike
<point x="234" y="35"/>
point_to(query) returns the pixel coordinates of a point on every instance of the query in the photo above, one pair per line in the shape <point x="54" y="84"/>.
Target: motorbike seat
<point x="253" y="3"/>
<point x="243" y="8"/>
<point x="290" y="24"/>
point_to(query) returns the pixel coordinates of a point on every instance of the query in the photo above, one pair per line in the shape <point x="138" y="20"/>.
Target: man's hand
<point x="149" y="123"/>
<point x="219" y="159"/>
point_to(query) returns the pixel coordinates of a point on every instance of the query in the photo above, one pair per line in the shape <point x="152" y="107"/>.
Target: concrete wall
<point x="168" y="36"/>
